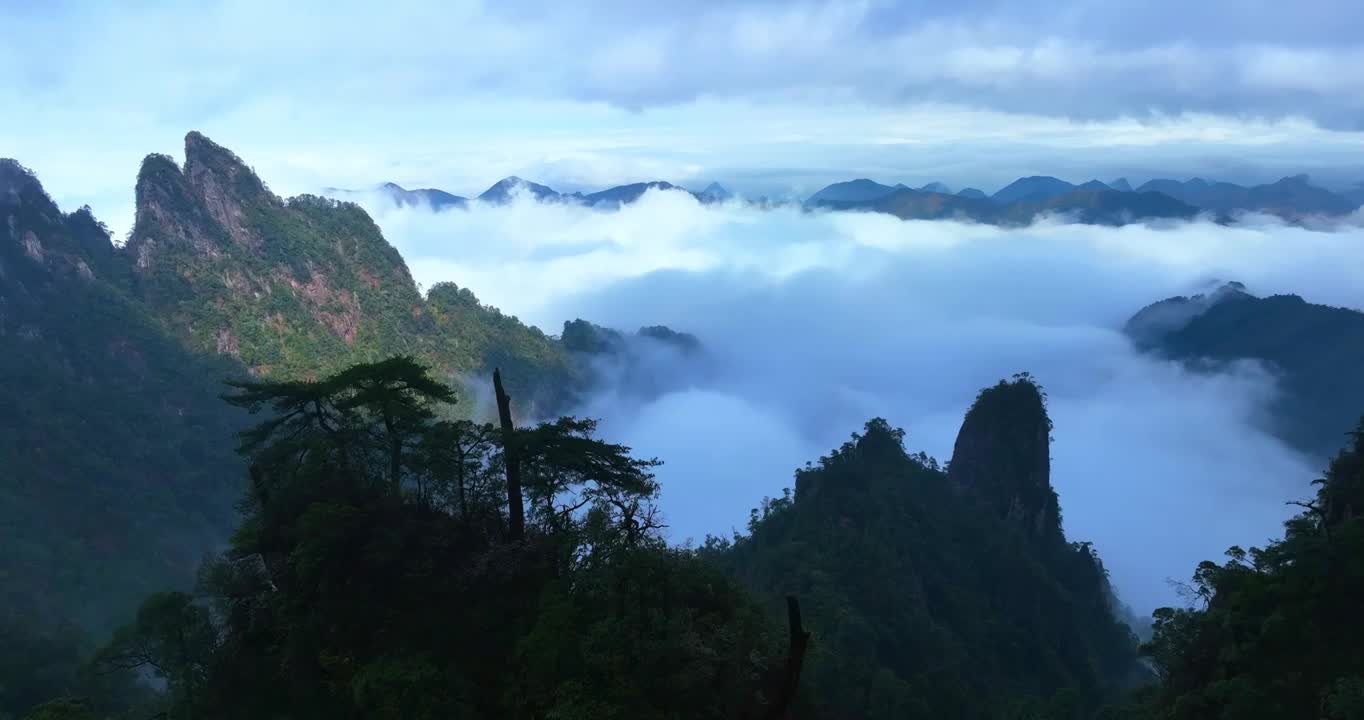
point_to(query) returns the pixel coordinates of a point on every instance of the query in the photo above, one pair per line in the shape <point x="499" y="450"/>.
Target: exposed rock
<point x="1002" y="457"/>
<point x="227" y="343"/>
<point x="222" y="181"/>
<point x="32" y="247"/>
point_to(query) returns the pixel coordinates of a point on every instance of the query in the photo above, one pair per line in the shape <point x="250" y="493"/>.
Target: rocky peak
<point x="202" y="207"/>
<point x="209" y="165"/>
<point x="224" y="185"/>
<point x="1002" y="457"/>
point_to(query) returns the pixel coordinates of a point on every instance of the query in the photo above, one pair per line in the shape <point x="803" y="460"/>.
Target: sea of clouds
<point x="815" y="322"/>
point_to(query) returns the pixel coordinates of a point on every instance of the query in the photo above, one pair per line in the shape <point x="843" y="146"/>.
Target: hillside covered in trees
<point x="1312" y="350"/>
<point x="393" y="561"/>
<point x="119" y="454"/>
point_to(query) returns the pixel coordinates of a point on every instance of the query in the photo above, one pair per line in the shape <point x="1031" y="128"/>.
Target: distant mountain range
<point x="1116" y="202"/>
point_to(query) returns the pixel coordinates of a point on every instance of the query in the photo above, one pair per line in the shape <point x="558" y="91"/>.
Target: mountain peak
<point x="503" y="190"/>
<point x="212" y="167"/>
<point x="859" y="190"/>
<point x="1033" y="188"/>
<point x="936" y="187"/>
<point x="1003" y="456"/>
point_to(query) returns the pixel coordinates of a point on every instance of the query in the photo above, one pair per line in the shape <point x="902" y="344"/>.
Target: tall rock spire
<point x="1002" y="457"/>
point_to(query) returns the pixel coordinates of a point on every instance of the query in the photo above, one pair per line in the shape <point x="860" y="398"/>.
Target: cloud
<point x="769" y="97"/>
<point x="1060" y="57"/>
<point x="815" y="323"/>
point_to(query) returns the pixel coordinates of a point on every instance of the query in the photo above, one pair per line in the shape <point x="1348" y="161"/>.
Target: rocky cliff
<point x="1002" y="457"/>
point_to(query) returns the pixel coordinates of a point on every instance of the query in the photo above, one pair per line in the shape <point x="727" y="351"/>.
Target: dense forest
<point x="393" y="560"/>
<point x="336" y="532"/>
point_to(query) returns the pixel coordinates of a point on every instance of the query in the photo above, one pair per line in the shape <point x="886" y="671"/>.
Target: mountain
<point x="1095" y="185"/>
<point x="714" y="192"/>
<point x="292" y="288"/>
<point x="972" y="193"/>
<point x="1104" y="207"/>
<point x="625" y="194"/>
<point x="503" y="190"/>
<point x="422" y="197"/>
<point x="916" y="205"/>
<point x="119" y="470"/>
<point x="936" y="187"/>
<point x="1121" y="185"/>
<point x="940" y="594"/>
<point x="1036" y="188"/>
<point x="1313" y="350"/>
<point x="1291" y="197"/>
<point x="853" y="191"/>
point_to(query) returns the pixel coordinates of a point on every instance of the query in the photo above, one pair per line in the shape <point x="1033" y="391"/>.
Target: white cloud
<point x="768" y="97"/>
<point x="817" y="322"/>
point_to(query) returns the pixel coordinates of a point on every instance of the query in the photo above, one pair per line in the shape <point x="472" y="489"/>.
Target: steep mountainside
<point x="941" y="594"/>
<point x="1315" y="350"/>
<point x="304" y="286"/>
<point x="118" y="455"/>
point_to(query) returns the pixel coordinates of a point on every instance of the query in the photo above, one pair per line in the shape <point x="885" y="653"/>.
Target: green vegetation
<point x="345" y="594"/>
<point x="118" y="452"/>
<point x="1314" y="350"/>
<point x="119" y="471"/>
<point x="925" y="603"/>
<point x="1273" y="632"/>
<point x="307" y="286"/>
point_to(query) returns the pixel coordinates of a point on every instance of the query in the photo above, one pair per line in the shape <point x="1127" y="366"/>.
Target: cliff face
<point x="1002" y="458"/>
<point x="289" y="287"/>
<point x="307" y="286"/>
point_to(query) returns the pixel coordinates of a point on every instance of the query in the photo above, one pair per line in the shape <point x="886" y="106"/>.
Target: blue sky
<point x="766" y="97"/>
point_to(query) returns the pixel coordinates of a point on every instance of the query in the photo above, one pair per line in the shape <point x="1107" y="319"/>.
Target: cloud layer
<point x="815" y="323"/>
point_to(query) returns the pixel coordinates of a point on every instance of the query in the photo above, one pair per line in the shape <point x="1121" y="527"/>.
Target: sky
<point x="774" y="98"/>
<point x="814" y="323"/>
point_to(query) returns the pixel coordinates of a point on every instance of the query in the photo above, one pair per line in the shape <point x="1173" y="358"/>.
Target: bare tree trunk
<point x="515" y="505"/>
<point x="795" y="659"/>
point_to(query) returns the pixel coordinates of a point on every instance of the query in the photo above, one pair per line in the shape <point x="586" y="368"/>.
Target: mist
<point x="813" y="323"/>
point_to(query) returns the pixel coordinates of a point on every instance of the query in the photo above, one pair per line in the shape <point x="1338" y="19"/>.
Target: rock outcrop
<point x="1002" y="458"/>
